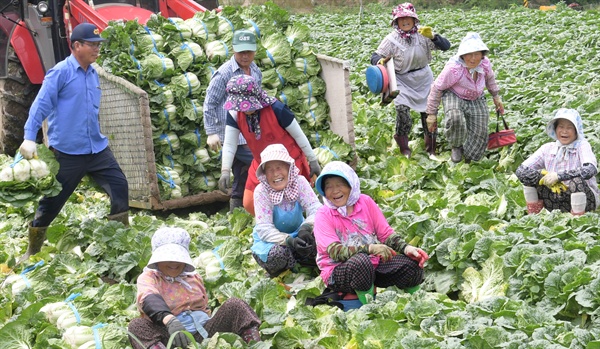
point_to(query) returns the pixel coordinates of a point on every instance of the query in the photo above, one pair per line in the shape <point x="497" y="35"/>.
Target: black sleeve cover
<point x="441" y="42"/>
<point x="375" y="58"/>
<point x="156" y="308"/>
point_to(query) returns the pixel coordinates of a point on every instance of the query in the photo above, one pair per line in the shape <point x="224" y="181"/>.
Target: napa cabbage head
<point x="486" y="283"/>
<point x="157" y="65"/>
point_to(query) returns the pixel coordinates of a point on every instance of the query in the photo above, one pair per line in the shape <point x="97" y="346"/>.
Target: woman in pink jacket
<point x="460" y="87"/>
<point x="356" y="247"/>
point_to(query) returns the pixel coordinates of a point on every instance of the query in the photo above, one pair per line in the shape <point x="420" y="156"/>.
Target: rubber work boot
<point x="413" y="289"/>
<point x="251" y="334"/>
<point x="362" y="295"/>
<point x="456" y="154"/>
<point x="402" y="142"/>
<point x="37" y="236"/>
<point x="430" y="137"/>
<point x="430" y="143"/>
<point x="122" y="217"/>
<point x="235" y="203"/>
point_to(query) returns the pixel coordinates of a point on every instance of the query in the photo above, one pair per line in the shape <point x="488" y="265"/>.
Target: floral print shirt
<point x="177" y="296"/>
<point x="263" y="209"/>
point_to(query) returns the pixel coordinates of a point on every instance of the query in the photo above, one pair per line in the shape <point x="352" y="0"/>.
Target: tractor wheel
<point x="16" y="95"/>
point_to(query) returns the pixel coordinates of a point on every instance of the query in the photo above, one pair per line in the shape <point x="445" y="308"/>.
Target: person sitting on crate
<point x="282" y="236"/>
<point x="69" y="100"/>
<point x="561" y="171"/>
<point x="411" y="47"/>
<point x="242" y="62"/>
<point x="356" y="247"/>
<point x="460" y="87"/>
<point x="262" y="120"/>
<point x="171" y="298"/>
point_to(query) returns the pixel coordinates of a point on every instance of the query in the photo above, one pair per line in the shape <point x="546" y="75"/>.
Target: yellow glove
<point x="383" y="60"/>
<point x="426" y="32"/>
<point x="558" y="187"/>
<point x="549" y="179"/>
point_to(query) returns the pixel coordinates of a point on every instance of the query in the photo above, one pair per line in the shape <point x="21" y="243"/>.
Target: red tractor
<point x="34" y="36"/>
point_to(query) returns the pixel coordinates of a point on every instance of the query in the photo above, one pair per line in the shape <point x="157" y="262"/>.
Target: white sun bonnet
<point x="273" y="152"/>
<point x="171" y="245"/>
<point x="472" y="42"/>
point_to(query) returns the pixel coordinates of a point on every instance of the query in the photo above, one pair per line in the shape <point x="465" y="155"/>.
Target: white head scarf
<point x="339" y="169"/>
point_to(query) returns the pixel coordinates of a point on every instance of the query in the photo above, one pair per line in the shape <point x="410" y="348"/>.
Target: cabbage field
<point x="497" y="277"/>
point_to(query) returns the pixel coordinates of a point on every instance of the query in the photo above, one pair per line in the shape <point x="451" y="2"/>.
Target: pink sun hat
<point x="404" y="10"/>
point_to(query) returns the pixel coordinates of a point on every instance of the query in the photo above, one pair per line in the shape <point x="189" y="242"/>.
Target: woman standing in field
<point x="411" y="49"/>
<point x="460" y="88"/>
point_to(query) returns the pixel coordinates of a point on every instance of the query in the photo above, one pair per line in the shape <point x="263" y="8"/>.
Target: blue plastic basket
<point x="374" y="79"/>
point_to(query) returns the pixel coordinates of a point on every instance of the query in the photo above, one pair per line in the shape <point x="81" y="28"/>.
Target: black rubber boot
<point x="402" y="142"/>
<point x="37" y="236"/>
<point x="456" y="155"/>
<point x="122" y="217"/>
<point x="430" y="143"/>
<point x="235" y="203"/>
<point x="430" y="137"/>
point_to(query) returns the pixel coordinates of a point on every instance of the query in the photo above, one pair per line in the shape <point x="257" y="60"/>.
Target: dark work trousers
<point x="104" y="170"/>
<point x="241" y="163"/>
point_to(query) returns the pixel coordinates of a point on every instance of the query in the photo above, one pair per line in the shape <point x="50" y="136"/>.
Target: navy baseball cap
<point x="86" y="32"/>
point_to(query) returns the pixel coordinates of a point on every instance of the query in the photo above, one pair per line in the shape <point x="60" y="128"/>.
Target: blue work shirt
<point x="70" y="99"/>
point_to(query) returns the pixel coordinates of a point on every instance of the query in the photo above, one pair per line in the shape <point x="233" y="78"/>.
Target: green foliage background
<point x="468" y="217"/>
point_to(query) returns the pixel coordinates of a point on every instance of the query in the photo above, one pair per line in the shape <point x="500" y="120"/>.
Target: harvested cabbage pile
<point x="23" y="181"/>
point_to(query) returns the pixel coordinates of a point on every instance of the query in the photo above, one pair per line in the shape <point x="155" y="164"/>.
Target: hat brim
<point x="260" y="170"/>
<point x="244" y="47"/>
<point x="95" y="39"/>
<point x="171" y="253"/>
<point x="321" y="179"/>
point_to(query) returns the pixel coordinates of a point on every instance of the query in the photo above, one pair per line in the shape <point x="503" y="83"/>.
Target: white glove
<point x="315" y="168"/>
<point x="28" y="149"/>
<point x="225" y="180"/>
<point x="416" y="254"/>
<point x="550" y="179"/>
<point x="214" y="142"/>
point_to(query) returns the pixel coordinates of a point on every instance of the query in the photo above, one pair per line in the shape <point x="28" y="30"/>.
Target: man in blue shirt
<point x="69" y="99"/>
<point x="242" y="62"/>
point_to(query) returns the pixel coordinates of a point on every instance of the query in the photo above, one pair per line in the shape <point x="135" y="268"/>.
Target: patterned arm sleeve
<point x="490" y="78"/>
<point x="447" y="78"/>
<point x="396" y="242"/>
<point x="341" y="253"/>
<point x="528" y="176"/>
<point x="586" y="171"/>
